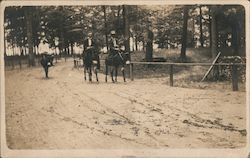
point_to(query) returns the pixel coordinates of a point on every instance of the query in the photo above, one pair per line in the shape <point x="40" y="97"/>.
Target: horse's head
<point x="126" y="57"/>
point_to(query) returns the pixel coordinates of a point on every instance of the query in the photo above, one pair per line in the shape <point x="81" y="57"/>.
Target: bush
<point x="225" y="71"/>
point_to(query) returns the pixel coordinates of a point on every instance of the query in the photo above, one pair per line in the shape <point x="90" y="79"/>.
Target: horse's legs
<point x="111" y="73"/>
<point x="84" y="69"/>
<point x="116" y="69"/>
<point x="95" y="70"/>
<point x="106" y="73"/>
<point x="90" y="74"/>
<point x="123" y="73"/>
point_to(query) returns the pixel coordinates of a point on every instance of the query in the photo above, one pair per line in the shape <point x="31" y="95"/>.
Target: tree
<point x="214" y="37"/>
<point x="106" y="27"/>
<point x="201" y="30"/>
<point x="170" y="26"/>
<point x="234" y="21"/>
<point x="28" y="18"/>
<point x="149" y="45"/>
<point x="184" y="34"/>
<point x="126" y="27"/>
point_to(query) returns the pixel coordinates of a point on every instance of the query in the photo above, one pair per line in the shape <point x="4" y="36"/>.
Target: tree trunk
<point x="193" y="30"/>
<point x="235" y="37"/>
<point x="210" y="29"/>
<point x="201" y="31"/>
<point x="13" y="50"/>
<point x="118" y="16"/>
<point x="28" y="17"/>
<point x="214" y="37"/>
<point x="149" y="46"/>
<point x="106" y="27"/>
<point x="65" y="51"/>
<point x="136" y="43"/>
<point x="34" y="50"/>
<point x="20" y="49"/>
<point x="72" y="48"/>
<point x="126" y="28"/>
<point x="68" y="50"/>
<point x="184" y="34"/>
<point x="61" y="41"/>
<point x="37" y="47"/>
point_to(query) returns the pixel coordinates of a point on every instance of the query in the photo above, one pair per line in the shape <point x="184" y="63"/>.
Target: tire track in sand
<point x="112" y="113"/>
<point x="197" y="121"/>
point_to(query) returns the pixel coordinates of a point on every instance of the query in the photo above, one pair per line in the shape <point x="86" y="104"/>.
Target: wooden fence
<point x="171" y="69"/>
<point x="14" y="62"/>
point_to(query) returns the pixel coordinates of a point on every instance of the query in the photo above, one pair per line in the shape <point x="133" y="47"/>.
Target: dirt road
<point x="64" y="112"/>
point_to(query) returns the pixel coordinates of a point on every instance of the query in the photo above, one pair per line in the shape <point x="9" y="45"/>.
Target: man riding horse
<point x="116" y="57"/>
<point x="114" y="45"/>
<point x="90" y="57"/>
<point x="90" y="45"/>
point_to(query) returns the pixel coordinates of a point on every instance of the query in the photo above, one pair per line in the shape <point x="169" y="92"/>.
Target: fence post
<point x="234" y="78"/>
<point x="171" y="75"/>
<point x="131" y="71"/>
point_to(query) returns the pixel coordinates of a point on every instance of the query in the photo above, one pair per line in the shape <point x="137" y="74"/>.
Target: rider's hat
<point x="112" y="32"/>
<point x="90" y="34"/>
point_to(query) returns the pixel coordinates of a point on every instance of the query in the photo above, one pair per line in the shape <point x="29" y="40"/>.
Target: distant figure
<point x="46" y="63"/>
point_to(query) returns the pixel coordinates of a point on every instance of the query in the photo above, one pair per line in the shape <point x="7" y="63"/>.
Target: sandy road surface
<point x="64" y="112"/>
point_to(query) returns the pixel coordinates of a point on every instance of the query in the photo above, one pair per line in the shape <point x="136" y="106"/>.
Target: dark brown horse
<point x="91" y="61"/>
<point x="119" y="59"/>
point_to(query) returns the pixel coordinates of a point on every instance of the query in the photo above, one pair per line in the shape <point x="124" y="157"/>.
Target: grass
<point x="184" y="76"/>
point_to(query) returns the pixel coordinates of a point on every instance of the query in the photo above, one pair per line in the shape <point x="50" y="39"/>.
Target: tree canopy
<point x="65" y="27"/>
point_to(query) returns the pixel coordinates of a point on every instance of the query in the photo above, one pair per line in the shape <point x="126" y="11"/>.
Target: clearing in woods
<point x="64" y="112"/>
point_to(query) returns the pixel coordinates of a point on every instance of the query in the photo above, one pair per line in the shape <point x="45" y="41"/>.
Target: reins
<point x="120" y="56"/>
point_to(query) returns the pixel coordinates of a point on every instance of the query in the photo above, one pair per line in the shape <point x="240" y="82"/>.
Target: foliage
<point x="66" y="26"/>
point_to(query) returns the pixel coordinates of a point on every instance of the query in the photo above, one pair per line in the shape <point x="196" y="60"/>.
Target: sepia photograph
<point x="125" y="76"/>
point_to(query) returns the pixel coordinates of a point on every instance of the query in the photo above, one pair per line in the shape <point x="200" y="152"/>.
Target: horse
<point x="121" y="58"/>
<point x="91" y="60"/>
<point x="46" y="62"/>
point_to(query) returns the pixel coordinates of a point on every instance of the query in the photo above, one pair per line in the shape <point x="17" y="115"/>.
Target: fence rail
<point x="77" y="62"/>
<point x="185" y="64"/>
<point x="171" y="69"/>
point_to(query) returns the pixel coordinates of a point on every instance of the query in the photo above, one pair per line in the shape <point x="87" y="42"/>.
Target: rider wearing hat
<point x="89" y="45"/>
<point x="89" y="42"/>
<point x="113" y="43"/>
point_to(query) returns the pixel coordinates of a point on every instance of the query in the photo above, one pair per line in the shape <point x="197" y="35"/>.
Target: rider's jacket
<point x="88" y="43"/>
<point x="113" y="43"/>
